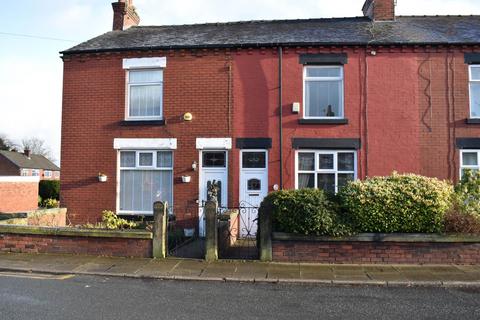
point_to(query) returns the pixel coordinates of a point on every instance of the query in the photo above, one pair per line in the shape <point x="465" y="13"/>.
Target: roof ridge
<point x="250" y="21"/>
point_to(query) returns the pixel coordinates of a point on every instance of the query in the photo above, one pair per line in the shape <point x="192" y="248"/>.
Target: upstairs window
<point x="145" y="94"/>
<point x="475" y="91"/>
<point x="47" y="174"/>
<point x="323" y="92"/>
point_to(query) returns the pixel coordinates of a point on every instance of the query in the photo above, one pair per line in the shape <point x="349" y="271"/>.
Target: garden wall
<point x="377" y="249"/>
<point x="29" y="239"/>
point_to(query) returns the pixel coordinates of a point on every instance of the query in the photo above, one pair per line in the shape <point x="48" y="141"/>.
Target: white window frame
<point x="35" y="172"/>
<point x="140" y="168"/>
<point x="316" y="170"/>
<point x="471" y="82"/>
<point x="25" y="173"/>
<point x="128" y="117"/>
<point x="477" y="167"/>
<point x="324" y="79"/>
<point x="47" y="173"/>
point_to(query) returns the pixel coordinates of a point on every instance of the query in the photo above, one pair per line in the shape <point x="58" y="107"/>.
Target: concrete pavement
<point x="244" y="271"/>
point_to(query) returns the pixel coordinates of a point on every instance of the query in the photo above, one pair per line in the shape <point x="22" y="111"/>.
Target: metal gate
<point x="237" y="232"/>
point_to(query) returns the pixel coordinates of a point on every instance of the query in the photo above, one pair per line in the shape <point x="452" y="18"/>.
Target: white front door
<point x="253" y="188"/>
<point x="213" y="167"/>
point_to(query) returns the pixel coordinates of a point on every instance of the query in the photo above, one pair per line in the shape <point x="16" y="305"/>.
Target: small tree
<point x="5" y="143"/>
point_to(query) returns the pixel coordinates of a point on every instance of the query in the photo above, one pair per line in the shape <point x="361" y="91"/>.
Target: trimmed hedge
<point x="305" y="211"/>
<point x="397" y="203"/>
<point x="49" y="189"/>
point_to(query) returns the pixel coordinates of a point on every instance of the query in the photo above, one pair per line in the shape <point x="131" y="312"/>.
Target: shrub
<point x="49" y="189"/>
<point x="306" y="211"/>
<point x="397" y="203"/>
<point x="467" y="192"/>
<point x="457" y="221"/>
<point x="111" y="221"/>
<point x="50" y="203"/>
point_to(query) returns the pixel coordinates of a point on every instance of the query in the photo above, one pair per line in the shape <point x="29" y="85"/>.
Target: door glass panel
<point x="253" y="160"/>
<point x="214" y="159"/>
<point x="306" y="180"/>
<point x="254" y="185"/>
<point x="306" y="161"/>
<point x="346" y="162"/>
<point x="326" y="181"/>
<point x="325" y="161"/>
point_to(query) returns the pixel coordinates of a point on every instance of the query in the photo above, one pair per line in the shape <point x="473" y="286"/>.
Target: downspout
<point x="280" y="108"/>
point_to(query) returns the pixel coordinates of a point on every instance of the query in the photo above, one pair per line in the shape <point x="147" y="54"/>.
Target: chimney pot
<point x="380" y="10"/>
<point x="27" y="153"/>
<point x="124" y="15"/>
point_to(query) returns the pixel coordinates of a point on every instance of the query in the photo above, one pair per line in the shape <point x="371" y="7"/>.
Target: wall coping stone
<point x="380" y="237"/>
<point x="75" y="232"/>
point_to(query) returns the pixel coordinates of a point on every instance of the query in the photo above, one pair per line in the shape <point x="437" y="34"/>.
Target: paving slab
<point x="98" y="265"/>
<point x="283" y="271"/>
<point x="219" y="270"/>
<point x="189" y="268"/>
<point x="122" y="266"/>
<point x="158" y="268"/>
<point x="250" y="271"/>
<point x="316" y="272"/>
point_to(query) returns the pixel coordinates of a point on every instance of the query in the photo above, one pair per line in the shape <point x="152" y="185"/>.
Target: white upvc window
<point x="47" y="173"/>
<point x="474" y="75"/>
<point x="323" y="92"/>
<point x="25" y="172"/>
<point x="144" y="94"/>
<point x="146" y="176"/>
<point x="469" y="159"/>
<point x="35" y="172"/>
<point x="325" y="169"/>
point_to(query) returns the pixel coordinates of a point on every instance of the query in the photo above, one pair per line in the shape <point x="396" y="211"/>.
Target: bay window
<point x="327" y="170"/>
<point x="146" y="176"/>
<point x="323" y="92"/>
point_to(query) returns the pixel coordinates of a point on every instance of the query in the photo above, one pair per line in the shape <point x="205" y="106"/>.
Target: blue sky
<point x="31" y="70"/>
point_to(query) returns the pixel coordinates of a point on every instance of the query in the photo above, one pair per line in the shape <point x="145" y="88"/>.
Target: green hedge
<point x="305" y="211"/>
<point x="49" y="189"/>
<point x="397" y="203"/>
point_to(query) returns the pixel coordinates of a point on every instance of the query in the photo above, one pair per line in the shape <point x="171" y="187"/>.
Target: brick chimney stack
<point x="380" y="10"/>
<point x="27" y="153"/>
<point x="124" y="15"/>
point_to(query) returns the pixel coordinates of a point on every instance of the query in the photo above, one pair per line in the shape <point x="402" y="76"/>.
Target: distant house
<point x="26" y="164"/>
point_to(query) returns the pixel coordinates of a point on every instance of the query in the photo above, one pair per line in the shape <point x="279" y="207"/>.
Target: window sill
<point x="127" y="123"/>
<point x="323" y="121"/>
<point x="473" y="121"/>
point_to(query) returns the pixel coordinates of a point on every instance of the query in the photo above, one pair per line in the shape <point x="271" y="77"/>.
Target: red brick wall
<point x="119" y="247"/>
<point x="376" y="252"/>
<point x="94" y="104"/>
<point x="400" y="129"/>
<point x="18" y="196"/>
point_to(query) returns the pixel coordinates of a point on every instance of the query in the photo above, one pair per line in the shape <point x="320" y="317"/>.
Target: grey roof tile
<point x="34" y="162"/>
<point x="335" y="31"/>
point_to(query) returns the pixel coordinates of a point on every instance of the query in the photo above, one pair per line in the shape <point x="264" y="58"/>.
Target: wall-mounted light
<point x="102" y="177"/>
<point x="187" y="116"/>
<point x="194" y="166"/>
<point x="275" y="187"/>
<point x="296" y="107"/>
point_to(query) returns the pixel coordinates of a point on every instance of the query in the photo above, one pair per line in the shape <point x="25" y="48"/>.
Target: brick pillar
<point x="159" y="230"/>
<point x="265" y="233"/>
<point x="211" y="232"/>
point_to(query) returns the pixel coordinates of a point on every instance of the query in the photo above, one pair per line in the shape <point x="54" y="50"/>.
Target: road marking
<point x="38" y="276"/>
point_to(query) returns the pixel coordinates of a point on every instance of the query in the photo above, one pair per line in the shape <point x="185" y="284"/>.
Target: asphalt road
<point x="43" y="297"/>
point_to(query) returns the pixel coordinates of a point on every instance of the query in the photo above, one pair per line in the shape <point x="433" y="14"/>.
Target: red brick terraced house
<point x="161" y="111"/>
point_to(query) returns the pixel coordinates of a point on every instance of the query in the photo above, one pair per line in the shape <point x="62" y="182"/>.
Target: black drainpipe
<point x="280" y="107"/>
